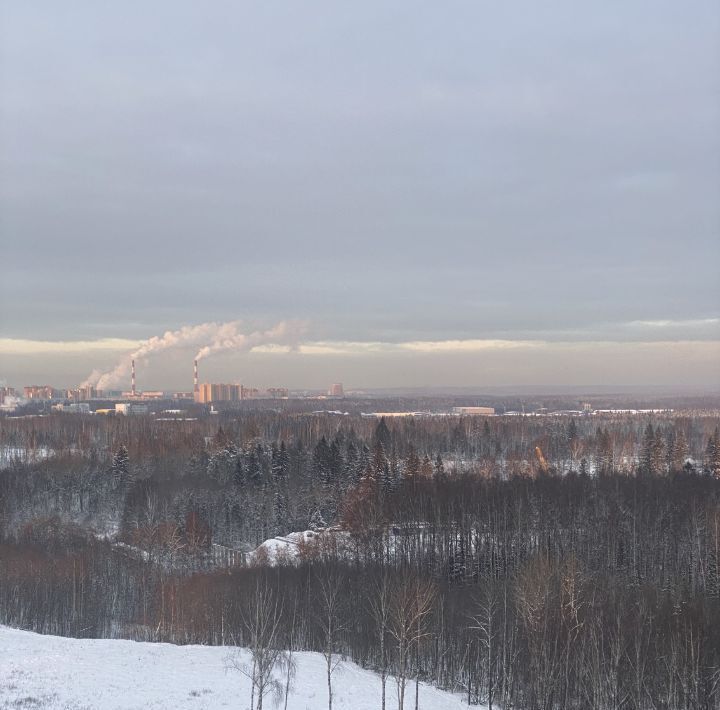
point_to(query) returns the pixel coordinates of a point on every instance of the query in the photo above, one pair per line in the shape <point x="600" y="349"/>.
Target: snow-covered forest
<point x="524" y="562"/>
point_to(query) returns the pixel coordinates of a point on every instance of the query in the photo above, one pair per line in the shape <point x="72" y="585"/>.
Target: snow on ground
<point x="56" y="673"/>
<point x="295" y="546"/>
<point x="282" y="549"/>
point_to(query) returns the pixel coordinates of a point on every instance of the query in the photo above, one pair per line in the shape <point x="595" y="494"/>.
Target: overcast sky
<point x="527" y="190"/>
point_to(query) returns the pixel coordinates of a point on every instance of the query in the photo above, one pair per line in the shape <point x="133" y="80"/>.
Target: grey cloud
<point x="387" y="171"/>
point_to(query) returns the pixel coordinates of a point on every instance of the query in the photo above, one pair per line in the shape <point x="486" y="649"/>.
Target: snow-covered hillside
<point x="296" y="546"/>
<point x="56" y="673"/>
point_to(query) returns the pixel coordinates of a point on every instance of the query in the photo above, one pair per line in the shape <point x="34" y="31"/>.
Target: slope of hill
<point x="56" y="673"/>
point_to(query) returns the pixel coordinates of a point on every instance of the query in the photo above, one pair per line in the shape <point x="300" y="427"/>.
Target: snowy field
<point x="56" y="673"/>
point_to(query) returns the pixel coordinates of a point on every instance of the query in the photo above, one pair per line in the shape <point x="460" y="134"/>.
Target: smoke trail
<point x="229" y="338"/>
<point x="92" y="378"/>
<point x="210" y="337"/>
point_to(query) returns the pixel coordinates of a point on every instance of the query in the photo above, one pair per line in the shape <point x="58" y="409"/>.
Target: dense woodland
<point x="528" y="562"/>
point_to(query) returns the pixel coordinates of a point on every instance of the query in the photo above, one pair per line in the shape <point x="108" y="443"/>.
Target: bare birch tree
<point x="410" y="605"/>
<point x="379" y="601"/>
<point x="261" y="620"/>
<point x="484" y="620"/>
<point x="330" y="620"/>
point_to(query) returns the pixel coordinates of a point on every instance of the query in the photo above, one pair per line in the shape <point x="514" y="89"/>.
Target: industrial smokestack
<point x="196" y="386"/>
<point x="210" y="338"/>
<point x="132" y="378"/>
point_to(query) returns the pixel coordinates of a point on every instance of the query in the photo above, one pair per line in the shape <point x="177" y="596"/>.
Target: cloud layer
<point x="403" y="176"/>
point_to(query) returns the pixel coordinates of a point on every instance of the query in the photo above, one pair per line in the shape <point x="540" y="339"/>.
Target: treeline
<point x="504" y="441"/>
<point x="269" y="473"/>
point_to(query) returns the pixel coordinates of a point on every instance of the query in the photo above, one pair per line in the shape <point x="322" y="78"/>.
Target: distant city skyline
<point x="477" y="364"/>
<point x="450" y="195"/>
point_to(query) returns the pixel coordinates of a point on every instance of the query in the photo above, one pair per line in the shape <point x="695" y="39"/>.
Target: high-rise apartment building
<point x="210" y="392"/>
<point x="336" y="390"/>
<point x="39" y="392"/>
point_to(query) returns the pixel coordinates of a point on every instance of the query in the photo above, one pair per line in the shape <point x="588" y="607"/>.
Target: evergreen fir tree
<point x="457" y="564"/>
<point x="646" y="455"/>
<point x="412" y="466"/>
<point x="239" y="477"/>
<point x="605" y="456"/>
<point x="386" y="478"/>
<point x="120" y="467"/>
<point x="281" y="509"/>
<point x="657" y="455"/>
<point x="253" y="472"/>
<point x="382" y="435"/>
<point x="713" y="453"/>
<point x="283" y="461"/>
<point x="317" y="522"/>
<point x="572" y="431"/>
<point x="363" y="464"/>
<point x="678" y="451"/>
<point x="335" y="464"/>
<point x="321" y="461"/>
<point x="274" y="461"/>
<point x="379" y="461"/>
<point x="351" y="465"/>
<point x="221" y="439"/>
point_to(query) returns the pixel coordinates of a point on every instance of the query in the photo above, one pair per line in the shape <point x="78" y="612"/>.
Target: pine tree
<point x="281" y="508"/>
<point x="678" y="451"/>
<point x="274" y="457"/>
<point x="379" y="461"/>
<point x="352" y="472"/>
<point x="253" y="470"/>
<point x="335" y="464"/>
<point x="486" y="430"/>
<point x="121" y="467"/>
<point x="646" y="455"/>
<point x="574" y="442"/>
<point x="459" y="438"/>
<point x="321" y="461"/>
<point x="222" y="464"/>
<point x="605" y="454"/>
<point x="221" y="439"/>
<point x="572" y="431"/>
<point x="713" y="453"/>
<point x="386" y="479"/>
<point x="283" y="462"/>
<point x="457" y="564"/>
<point x="412" y="466"/>
<point x="239" y="477"/>
<point x="383" y="435"/>
<point x="363" y="463"/>
<point x="439" y="467"/>
<point x="317" y="522"/>
<point x="657" y="454"/>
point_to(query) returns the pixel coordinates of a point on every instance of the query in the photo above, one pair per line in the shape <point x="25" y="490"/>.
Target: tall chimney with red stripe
<point x="196" y="384"/>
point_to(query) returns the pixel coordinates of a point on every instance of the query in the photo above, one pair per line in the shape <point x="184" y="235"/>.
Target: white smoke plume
<point x="210" y="337"/>
<point x="230" y="338"/>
